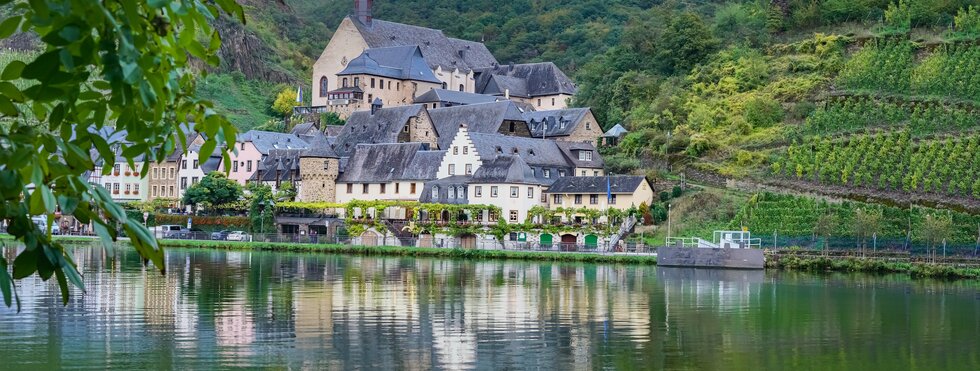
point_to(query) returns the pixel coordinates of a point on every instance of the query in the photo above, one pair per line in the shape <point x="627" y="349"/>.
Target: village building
<point x="254" y="146"/>
<point x="570" y="124"/>
<point x="510" y="184"/>
<point x="123" y="182"/>
<point x="393" y="171"/>
<point x="280" y="165"/>
<point x="615" y="134"/>
<point x="163" y="177"/>
<point x="503" y="118"/>
<point x="403" y="124"/>
<point x="396" y="75"/>
<point x="541" y="85"/>
<point x="599" y="193"/>
<point x="191" y="168"/>
<point x="451" y="61"/>
<point x="319" y="167"/>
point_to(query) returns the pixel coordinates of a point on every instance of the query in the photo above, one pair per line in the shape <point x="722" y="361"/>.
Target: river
<point x="217" y="309"/>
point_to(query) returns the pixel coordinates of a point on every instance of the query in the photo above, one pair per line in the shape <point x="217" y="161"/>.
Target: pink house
<point x="254" y="146"/>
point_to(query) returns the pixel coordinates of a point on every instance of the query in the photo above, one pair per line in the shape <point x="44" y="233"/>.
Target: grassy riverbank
<point x="416" y="251"/>
<point x="869" y="265"/>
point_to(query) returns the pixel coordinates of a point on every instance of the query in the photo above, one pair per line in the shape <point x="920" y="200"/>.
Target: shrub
<point x="676" y="192"/>
<point x="664" y="196"/>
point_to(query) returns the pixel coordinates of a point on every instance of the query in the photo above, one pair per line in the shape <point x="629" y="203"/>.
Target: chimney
<point x="376" y="105"/>
<point x="362" y="11"/>
<point x="506" y="93"/>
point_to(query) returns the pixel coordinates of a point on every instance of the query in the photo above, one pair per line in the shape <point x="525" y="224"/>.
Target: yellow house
<point x="600" y="192"/>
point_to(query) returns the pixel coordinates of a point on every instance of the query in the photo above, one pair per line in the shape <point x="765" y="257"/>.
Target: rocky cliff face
<point x="243" y="51"/>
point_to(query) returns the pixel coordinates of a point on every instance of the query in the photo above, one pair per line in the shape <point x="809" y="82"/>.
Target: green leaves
<point x="106" y="66"/>
<point x="7" y="285"/>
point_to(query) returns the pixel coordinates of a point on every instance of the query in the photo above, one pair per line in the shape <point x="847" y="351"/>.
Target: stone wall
<point x="319" y="183"/>
<point x="587" y="131"/>
<point x="711" y="258"/>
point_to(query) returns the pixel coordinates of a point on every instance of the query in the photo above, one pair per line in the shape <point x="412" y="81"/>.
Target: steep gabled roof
<point x="535" y="152"/>
<point x="437" y="49"/>
<point x="479" y="118"/>
<point x="571" y="150"/>
<point x="536" y="79"/>
<point x="454" y="97"/>
<point x="616" y="132"/>
<point x="383" y="126"/>
<point x="266" y="141"/>
<point x="505" y="169"/>
<point x="306" y="128"/>
<point x="459" y="182"/>
<point x="555" y="123"/>
<point x="383" y="163"/>
<point x="319" y="148"/>
<point x="286" y="161"/>
<point x="618" y="184"/>
<point x="397" y="62"/>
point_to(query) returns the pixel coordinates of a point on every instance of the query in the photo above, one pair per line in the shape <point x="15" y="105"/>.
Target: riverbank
<point x="915" y="269"/>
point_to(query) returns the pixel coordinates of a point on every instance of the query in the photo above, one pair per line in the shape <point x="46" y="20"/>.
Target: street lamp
<point x="667" y="241"/>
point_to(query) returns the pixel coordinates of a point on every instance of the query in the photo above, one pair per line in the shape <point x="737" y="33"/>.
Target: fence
<point x="870" y="245"/>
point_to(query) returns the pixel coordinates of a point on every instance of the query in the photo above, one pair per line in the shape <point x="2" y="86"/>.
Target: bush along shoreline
<point x="868" y="265"/>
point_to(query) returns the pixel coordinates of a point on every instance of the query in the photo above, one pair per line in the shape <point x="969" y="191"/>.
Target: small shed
<point x="612" y="136"/>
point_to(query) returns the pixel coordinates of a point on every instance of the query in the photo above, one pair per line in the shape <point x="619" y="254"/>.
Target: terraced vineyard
<point x="951" y="71"/>
<point x="882" y="65"/>
<point x="889" y="161"/>
<point x="856" y="113"/>
<point x="797" y="216"/>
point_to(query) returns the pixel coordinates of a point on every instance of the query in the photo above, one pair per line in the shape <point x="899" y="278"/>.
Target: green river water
<point x="219" y="310"/>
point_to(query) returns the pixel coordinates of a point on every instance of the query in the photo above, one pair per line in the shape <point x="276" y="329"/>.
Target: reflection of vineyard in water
<point x="338" y="312"/>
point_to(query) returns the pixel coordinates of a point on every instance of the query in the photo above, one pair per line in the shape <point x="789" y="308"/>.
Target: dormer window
<point x="530" y="152"/>
<point x="547" y="173"/>
<point x="513" y="127"/>
<point x="516" y="151"/>
<point x="585" y="155"/>
<point x="435" y="193"/>
<point x="499" y="150"/>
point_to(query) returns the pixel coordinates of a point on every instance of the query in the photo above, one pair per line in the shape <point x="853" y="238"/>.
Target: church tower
<point x="319" y="167"/>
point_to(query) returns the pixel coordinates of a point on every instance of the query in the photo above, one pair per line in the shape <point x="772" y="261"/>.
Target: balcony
<point x="309" y="110"/>
<point x="343" y="102"/>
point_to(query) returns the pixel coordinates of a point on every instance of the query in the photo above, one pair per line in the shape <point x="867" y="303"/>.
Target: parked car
<point x="172" y="231"/>
<point x="42" y="224"/>
<point x="220" y="235"/>
<point x="237" y="236"/>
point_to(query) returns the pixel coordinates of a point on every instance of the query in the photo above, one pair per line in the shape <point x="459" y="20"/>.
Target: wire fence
<point x="870" y="245"/>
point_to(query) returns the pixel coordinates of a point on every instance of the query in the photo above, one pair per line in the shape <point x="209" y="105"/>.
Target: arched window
<point x="345" y="82"/>
<point x="444" y="86"/>
<point x="323" y="86"/>
<point x="460" y="87"/>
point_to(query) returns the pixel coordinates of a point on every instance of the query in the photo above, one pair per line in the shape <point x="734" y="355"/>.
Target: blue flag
<point x="608" y="189"/>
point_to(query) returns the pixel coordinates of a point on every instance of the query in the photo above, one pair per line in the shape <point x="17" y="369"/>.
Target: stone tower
<point x="319" y="167"/>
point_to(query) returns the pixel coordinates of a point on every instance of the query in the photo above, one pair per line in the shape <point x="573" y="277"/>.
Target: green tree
<point x="685" y="42"/>
<point x="331" y="118"/>
<point x="285" y="102"/>
<point x="214" y="189"/>
<point x="867" y="223"/>
<point x="106" y="65"/>
<point x="286" y="192"/>
<point x="261" y="211"/>
<point x="825" y="226"/>
<point x="935" y="229"/>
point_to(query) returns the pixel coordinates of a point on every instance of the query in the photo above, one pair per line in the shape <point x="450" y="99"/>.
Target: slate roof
<point x="571" y="149"/>
<point x="383" y="163"/>
<point x="479" y="118"/>
<point x="306" y="128"/>
<point x="555" y="123"/>
<point x="458" y="181"/>
<point x="535" y="152"/>
<point x="319" y="147"/>
<point x="524" y="80"/>
<point x="397" y="62"/>
<point x="454" y="97"/>
<point x="383" y="126"/>
<point x="333" y="130"/>
<point x="616" y="132"/>
<point x="505" y="169"/>
<point x="437" y="49"/>
<point x="596" y="184"/>
<point x="266" y="141"/>
<point x="284" y="160"/>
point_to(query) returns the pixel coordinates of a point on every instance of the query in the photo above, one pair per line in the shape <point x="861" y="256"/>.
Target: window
<point x="405" y="129"/>
<point x="136" y="189"/>
<point x="108" y="187"/>
<point x="595" y="173"/>
<point x="115" y="188"/>
<point x="585" y="155"/>
<point x="539" y="102"/>
<point x="552" y="101"/>
<point x="612" y="199"/>
<point x="444" y="86"/>
<point x="530" y="192"/>
<point x="115" y="169"/>
<point x="196" y="164"/>
<point x="243" y="146"/>
<point x="461" y="87"/>
<point x="183" y="182"/>
<point x="513" y="127"/>
<point x="234" y="166"/>
<point x="583" y="172"/>
<point x="248" y="166"/>
<point x="398" y="86"/>
<point x="588" y="126"/>
<point x="513" y="216"/>
<point x="578" y="199"/>
<point x="557" y="199"/>
<point x="469" y="169"/>
<point x="452" y="169"/>
<point x="389" y="84"/>
<point x="561" y="173"/>
<point x="323" y="86"/>
<point x="183" y="164"/>
<point x="350" y="188"/>
<point x="155" y="191"/>
<point x="547" y="173"/>
<point x="466" y="149"/>
<point x="364" y="188"/>
<point x="383" y="188"/>
<point x="514" y="191"/>
<point x="493" y="191"/>
<point x="413" y="188"/>
<point x="371" y="98"/>
<point x="345" y="82"/>
<point x="452" y="192"/>
<point x="193" y="180"/>
<point x="492" y="216"/>
<point x="171" y="191"/>
<point x="594" y="199"/>
<point x="156" y="172"/>
<point x="357" y="82"/>
<point x="478" y="191"/>
<point x="397" y="186"/>
<point x="173" y="173"/>
<point x="372" y="83"/>
<point x="435" y="193"/>
<point x="455" y="150"/>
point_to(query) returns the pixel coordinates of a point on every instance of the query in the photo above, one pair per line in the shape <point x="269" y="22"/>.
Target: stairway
<point x="624" y="229"/>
